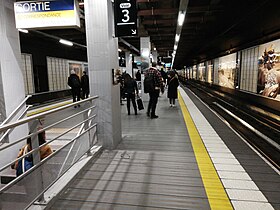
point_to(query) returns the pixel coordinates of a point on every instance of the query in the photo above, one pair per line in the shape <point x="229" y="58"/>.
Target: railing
<point x="11" y="117"/>
<point x="70" y="131"/>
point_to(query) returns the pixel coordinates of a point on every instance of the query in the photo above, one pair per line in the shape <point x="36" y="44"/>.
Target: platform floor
<point x="188" y="158"/>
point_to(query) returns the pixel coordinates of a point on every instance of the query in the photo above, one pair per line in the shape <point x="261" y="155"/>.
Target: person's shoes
<point x="136" y="113"/>
<point x="154" y="117"/>
<point x="170" y="105"/>
<point x="128" y="113"/>
<point x="75" y="106"/>
<point x="148" y="114"/>
<point x="173" y="105"/>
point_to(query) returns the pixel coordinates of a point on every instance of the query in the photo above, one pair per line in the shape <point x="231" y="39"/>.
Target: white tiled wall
<point x="249" y="69"/>
<point x="57" y="73"/>
<point x="28" y="73"/>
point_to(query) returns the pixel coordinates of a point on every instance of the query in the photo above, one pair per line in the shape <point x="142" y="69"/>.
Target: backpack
<point x="149" y="85"/>
<point x="75" y="82"/>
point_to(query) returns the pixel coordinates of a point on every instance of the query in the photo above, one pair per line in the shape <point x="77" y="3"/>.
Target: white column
<point x="145" y="46"/>
<point x="11" y="77"/>
<point x="102" y="51"/>
<point x="128" y="61"/>
<point x="155" y="56"/>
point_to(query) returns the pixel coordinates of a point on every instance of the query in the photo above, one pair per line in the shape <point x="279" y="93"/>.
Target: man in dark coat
<point x="75" y="84"/>
<point x="85" y="85"/>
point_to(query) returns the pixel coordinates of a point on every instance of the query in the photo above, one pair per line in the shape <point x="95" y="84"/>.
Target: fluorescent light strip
<point x="177" y="38"/>
<point x="23" y="30"/>
<point x="63" y="41"/>
<point x="181" y="18"/>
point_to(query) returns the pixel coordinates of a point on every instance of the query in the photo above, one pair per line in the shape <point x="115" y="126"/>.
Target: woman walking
<point x="130" y="88"/>
<point x="173" y="84"/>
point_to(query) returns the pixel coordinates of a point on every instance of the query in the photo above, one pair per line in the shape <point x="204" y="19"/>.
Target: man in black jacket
<point x="85" y="85"/>
<point x="75" y="84"/>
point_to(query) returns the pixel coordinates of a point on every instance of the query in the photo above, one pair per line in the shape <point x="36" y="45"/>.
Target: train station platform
<point x="188" y="158"/>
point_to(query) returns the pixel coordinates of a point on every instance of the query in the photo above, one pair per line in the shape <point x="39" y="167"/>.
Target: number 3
<point x="125" y="15"/>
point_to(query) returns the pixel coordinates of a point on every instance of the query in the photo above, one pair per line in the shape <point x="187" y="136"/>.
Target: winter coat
<point x="74" y="81"/>
<point x="130" y="86"/>
<point x="85" y="82"/>
<point x="173" y="83"/>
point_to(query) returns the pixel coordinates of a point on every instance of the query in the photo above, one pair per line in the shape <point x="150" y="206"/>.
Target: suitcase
<point x="140" y="103"/>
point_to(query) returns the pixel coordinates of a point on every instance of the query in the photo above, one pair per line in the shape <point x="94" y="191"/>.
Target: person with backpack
<point x="75" y="84"/>
<point x="153" y="84"/>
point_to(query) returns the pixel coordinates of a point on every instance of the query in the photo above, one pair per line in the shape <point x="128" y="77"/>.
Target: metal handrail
<point x="43" y="129"/>
<point x="37" y="149"/>
<point x="40" y="163"/>
<point x="11" y="129"/>
<point x="15" y="111"/>
<point x="43" y="114"/>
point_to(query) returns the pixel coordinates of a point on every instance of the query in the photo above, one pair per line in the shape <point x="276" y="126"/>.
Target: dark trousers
<point x="85" y="92"/>
<point x="76" y="94"/>
<point x="131" y="97"/>
<point x="172" y="101"/>
<point x="153" y="102"/>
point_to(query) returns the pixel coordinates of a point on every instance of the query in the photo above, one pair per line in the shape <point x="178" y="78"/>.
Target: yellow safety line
<point x="215" y="191"/>
<point x="47" y="108"/>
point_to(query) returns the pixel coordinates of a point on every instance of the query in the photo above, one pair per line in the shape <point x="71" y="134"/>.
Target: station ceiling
<point x="211" y="28"/>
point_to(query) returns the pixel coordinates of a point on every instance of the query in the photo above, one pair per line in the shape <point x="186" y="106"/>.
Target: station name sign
<point x="125" y="18"/>
<point x="47" y="14"/>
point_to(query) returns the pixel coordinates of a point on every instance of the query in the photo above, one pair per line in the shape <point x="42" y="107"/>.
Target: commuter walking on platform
<point x="138" y="75"/>
<point x="130" y="88"/>
<point x="153" y="85"/>
<point x="85" y="85"/>
<point x="173" y="84"/>
<point x="75" y="84"/>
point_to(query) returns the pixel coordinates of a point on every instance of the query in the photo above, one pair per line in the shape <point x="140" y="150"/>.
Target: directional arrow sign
<point x="125" y="18"/>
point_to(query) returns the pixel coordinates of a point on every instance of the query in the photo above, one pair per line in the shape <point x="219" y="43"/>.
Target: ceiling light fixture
<point x="181" y="18"/>
<point x="177" y="38"/>
<point x="23" y="30"/>
<point x="175" y="47"/>
<point x="63" y="41"/>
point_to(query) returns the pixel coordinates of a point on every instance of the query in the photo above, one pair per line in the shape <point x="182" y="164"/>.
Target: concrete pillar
<point x="102" y="51"/>
<point x="145" y="46"/>
<point x="128" y="60"/>
<point x="155" y="56"/>
<point x="11" y="77"/>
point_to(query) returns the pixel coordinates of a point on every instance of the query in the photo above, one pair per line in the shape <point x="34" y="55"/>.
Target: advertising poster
<point x="210" y="69"/>
<point x="194" y="72"/>
<point x="77" y="67"/>
<point x="269" y="69"/>
<point x="227" y="70"/>
<point x="201" y="72"/>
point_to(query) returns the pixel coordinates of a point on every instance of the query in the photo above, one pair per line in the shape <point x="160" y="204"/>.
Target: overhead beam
<point x="146" y="1"/>
<point x="159" y="22"/>
<point x="151" y="12"/>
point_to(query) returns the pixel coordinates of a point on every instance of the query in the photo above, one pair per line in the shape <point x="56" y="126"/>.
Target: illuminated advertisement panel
<point x="227" y="70"/>
<point x="269" y="69"/>
<point x="46" y="14"/>
<point x="194" y="72"/>
<point x="201" y="72"/>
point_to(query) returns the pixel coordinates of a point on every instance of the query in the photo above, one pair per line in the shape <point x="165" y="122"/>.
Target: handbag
<point x="24" y="164"/>
<point x="140" y="103"/>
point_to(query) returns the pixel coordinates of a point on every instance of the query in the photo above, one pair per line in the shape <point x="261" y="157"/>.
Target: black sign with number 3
<point x="125" y="18"/>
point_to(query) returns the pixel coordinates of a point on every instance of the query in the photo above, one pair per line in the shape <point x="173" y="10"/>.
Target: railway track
<point x="259" y="127"/>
